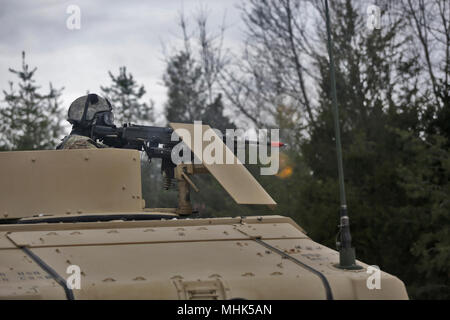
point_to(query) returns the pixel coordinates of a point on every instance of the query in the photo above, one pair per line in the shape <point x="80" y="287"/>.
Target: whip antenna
<point x="346" y="252"/>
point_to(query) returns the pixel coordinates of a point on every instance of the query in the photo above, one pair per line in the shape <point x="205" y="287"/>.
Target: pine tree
<point x="186" y="89"/>
<point x="213" y="115"/>
<point x="30" y="120"/>
<point x="396" y="175"/>
<point x="188" y="94"/>
<point x="126" y="97"/>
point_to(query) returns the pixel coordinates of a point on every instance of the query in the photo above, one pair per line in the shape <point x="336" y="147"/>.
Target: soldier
<point x="83" y="113"/>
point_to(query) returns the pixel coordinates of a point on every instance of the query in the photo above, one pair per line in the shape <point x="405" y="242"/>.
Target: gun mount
<point x="159" y="142"/>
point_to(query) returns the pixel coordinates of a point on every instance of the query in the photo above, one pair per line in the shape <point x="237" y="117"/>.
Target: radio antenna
<point x="346" y="252"/>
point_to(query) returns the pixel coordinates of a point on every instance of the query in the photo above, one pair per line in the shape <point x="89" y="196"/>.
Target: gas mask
<point x="105" y="118"/>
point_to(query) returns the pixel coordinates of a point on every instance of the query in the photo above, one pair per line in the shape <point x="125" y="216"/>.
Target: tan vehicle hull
<point x="267" y="257"/>
<point x="220" y="258"/>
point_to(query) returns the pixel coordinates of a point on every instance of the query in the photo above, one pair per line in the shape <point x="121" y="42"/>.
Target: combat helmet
<point x="89" y="108"/>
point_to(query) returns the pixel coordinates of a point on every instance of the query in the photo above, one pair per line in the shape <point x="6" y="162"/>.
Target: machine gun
<point x="157" y="142"/>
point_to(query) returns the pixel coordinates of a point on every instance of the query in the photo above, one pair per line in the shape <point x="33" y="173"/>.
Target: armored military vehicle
<point x="74" y="226"/>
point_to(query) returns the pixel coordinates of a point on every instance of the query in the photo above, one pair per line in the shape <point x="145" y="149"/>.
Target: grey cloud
<point x="112" y="34"/>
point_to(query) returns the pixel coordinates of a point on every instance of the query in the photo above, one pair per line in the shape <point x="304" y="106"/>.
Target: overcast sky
<point x="112" y="34"/>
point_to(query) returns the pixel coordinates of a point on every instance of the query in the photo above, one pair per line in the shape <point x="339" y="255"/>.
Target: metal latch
<point x="201" y="290"/>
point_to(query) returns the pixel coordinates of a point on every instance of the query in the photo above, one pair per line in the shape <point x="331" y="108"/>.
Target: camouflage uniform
<point x="75" y="141"/>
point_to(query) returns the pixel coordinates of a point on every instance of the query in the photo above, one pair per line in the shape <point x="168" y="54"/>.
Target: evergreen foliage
<point x="188" y="94"/>
<point x="125" y="94"/>
<point x="30" y="119"/>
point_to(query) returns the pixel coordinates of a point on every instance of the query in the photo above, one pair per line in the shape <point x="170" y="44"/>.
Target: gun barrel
<point x="275" y="144"/>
